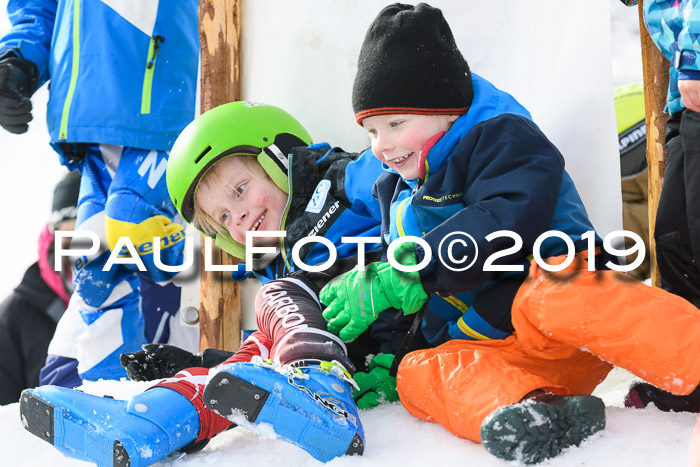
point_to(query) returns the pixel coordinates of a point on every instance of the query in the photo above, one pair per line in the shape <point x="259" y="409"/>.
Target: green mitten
<point x="376" y="386"/>
<point x="353" y="302"/>
<point x="403" y="289"/>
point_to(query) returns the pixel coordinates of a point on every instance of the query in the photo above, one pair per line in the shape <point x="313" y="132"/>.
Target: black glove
<point x="158" y="361"/>
<point x="19" y="79"/>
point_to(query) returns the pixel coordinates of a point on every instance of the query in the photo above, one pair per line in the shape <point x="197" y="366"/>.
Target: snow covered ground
<point x="632" y="438"/>
<point x="635" y="438"/>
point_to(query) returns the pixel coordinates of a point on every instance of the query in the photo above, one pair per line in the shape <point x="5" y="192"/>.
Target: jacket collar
<point x="488" y="102"/>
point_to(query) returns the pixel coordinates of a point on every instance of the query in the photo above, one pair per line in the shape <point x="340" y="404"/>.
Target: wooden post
<point x="655" y="70"/>
<point x="219" y="35"/>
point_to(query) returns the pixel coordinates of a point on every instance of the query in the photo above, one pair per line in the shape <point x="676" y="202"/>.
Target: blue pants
<point x="122" y="194"/>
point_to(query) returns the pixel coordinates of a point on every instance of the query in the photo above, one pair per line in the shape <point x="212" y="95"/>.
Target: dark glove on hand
<point x="19" y="79"/>
<point x="376" y="386"/>
<point x="158" y="361"/>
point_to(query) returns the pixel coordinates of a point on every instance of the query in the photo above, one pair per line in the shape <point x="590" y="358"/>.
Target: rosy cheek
<point x="409" y="142"/>
<point x="412" y="137"/>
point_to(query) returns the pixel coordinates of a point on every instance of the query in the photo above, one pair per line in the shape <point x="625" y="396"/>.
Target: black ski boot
<point x="642" y="394"/>
<point x="541" y="427"/>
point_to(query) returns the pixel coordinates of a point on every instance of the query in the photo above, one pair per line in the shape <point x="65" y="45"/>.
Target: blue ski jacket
<point x="492" y="171"/>
<point x="121" y="72"/>
<point x="674" y="26"/>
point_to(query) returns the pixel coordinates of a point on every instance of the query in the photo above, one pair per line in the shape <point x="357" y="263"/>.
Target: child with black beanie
<point x="469" y="178"/>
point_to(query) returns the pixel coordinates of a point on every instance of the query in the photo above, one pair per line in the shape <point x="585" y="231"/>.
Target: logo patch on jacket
<point x="318" y="199"/>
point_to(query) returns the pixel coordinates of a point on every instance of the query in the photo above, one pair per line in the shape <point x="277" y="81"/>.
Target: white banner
<point x="553" y="56"/>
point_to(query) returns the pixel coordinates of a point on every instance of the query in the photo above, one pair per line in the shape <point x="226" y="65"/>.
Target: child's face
<point x="242" y="202"/>
<point x="397" y="139"/>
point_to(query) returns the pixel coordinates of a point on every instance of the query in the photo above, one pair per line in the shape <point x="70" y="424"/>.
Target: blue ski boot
<point x="309" y="403"/>
<point x="109" y="432"/>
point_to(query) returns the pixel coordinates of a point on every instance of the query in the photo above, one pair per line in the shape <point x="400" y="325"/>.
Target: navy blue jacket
<point x="493" y="170"/>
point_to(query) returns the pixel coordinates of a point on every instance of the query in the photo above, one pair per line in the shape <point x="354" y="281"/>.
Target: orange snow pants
<point x="571" y="327"/>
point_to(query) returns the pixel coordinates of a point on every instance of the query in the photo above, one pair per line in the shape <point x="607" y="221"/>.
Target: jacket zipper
<point x="399" y="220"/>
<point x="63" y="129"/>
<point x="153" y="48"/>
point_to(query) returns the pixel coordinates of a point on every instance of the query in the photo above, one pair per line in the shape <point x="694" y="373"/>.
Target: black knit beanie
<point x="65" y="199"/>
<point x="409" y="63"/>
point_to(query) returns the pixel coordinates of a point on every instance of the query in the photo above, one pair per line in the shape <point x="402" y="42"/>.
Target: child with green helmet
<point x="247" y="167"/>
<point x="201" y="148"/>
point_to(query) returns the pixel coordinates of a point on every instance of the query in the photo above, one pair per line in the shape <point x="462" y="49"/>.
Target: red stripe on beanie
<point x="359" y="116"/>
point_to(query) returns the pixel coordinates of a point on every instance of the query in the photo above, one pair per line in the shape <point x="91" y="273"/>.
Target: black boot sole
<point x="533" y="431"/>
<point x="225" y="393"/>
<point x="36" y="416"/>
<point x="39" y="418"/>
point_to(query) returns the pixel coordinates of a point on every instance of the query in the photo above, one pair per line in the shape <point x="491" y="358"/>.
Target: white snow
<point x="635" y="438"/>
<point x="631" y="438"/>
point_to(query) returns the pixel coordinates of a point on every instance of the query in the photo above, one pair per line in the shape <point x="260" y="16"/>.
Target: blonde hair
<point x="204" y="221"/>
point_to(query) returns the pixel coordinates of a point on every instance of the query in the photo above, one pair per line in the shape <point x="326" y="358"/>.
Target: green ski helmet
<point x="234" y="129"/>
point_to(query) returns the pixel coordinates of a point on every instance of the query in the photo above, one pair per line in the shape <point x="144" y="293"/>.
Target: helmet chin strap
<point x="265" y="259"/>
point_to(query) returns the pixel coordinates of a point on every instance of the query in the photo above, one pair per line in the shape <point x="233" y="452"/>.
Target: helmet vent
<point x="204" y="153"/>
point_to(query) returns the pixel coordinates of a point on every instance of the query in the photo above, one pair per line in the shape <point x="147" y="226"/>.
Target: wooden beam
<point x="655" y="71"/>
<point x="219" y="35"/>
